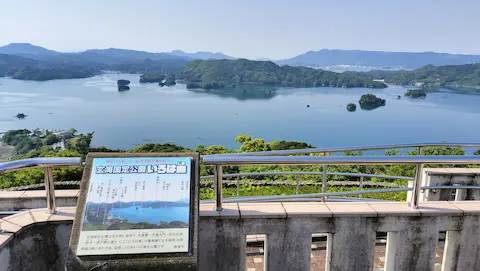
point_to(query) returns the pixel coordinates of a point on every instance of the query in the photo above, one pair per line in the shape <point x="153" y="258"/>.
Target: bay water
<point x="148" y="113"/>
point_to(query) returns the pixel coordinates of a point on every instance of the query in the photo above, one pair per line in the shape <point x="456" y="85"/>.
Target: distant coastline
<point x="25" y="61"/>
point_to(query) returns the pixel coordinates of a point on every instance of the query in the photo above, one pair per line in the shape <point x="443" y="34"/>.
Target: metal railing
<point x="418" y="146"/>
<point x="47" y="164"/>
<point x="297" y="174"/>
<point x="419" y="161"/>
<point x="283" y="157"/>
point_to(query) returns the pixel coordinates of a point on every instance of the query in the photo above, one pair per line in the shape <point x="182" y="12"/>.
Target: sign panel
<point x="137" y="205"/>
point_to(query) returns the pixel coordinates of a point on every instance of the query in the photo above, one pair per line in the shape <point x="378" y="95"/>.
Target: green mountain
<point x="451" y="76"/>
<point x="29" y="62"/>
<point x="235" y="72"/>
<point x="8" y="62"/>
<point x="50" y="73"/>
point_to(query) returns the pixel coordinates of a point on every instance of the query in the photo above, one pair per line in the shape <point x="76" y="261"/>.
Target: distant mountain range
<point x="378" y="59"/>
<point x="320" y="59"/>
<point x="200" y="55"/>
<point x="25" y="49"/>
<point x="207" y="70"/>
<point x="40" y="53"/>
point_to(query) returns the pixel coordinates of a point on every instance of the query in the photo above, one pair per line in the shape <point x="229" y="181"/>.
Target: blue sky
<point x="273" y="29"/>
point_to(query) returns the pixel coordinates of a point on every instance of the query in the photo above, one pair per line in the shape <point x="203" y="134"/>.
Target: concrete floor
<point x="255" y="259"/>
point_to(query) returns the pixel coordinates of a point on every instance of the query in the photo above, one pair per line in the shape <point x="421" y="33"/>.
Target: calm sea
<point x="150" y="114"/>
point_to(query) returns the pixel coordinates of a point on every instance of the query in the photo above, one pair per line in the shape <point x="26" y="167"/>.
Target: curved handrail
<point x="350" y="148"/>
<point x="47" y="164"/>
<point x="282" y="158"/>
<point x="52" y="162"/>
<point x="75" y="161"/>
<point x="246" y="174"/>
<point x="228" y="160"/>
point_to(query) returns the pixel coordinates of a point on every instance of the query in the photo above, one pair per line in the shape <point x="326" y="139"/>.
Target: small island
<point x="351" y="107"/>
<point x="161" y="84"/>
<point x="206" y="86"/>
<point x="193" y="86"/>
<point x="416" y="94"/>
<point x="20" y="116"/>
<point x="152" y="77"/>
<point x="170" y="81"/>
<point x="122" y="85"/>
<point x="370" y="102"/>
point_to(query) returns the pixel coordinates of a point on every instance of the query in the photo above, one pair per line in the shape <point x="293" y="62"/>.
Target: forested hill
<point x="235" y="72"/>
<point x="69" y="66"/>
<point x="450" y="76"/>
<point x="8" y="62"/>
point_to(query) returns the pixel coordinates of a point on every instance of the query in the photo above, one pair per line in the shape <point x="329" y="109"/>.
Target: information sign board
<point x="137" y="204"/>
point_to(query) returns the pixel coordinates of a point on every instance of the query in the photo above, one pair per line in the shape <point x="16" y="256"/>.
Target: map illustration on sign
<point x="137" y="205"/>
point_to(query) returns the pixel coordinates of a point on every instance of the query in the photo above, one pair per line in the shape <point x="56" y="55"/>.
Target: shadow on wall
<point x="41" y="247"/>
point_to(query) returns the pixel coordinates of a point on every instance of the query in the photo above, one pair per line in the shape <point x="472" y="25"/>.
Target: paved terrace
<point x="35" y="240"/>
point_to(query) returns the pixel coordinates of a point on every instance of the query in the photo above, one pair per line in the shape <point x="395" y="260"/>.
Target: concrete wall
<point x="450" y="176"/>
<point x="39" y="247"/>
<point x="351" y="229"/>
<point x="38" y="241"/>
<point x="20" y="200"/>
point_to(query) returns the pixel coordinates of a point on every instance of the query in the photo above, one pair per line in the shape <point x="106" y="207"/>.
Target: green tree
<point x="13" y="137"/>
<point x="80" y="143"/>
<point x="52" y="139"/>
<point x="243" y="139"/>
<point x="200" y="149"/>
<point x="168" y="147"/>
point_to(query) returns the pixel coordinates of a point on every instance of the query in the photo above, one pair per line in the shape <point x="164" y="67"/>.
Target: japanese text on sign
<point x="179" y="168"/>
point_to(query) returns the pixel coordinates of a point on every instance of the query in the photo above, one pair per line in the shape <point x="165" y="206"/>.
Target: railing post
<point x="361" y="186"/>
<point x="419" y="150"/>
<point x="297" y="177"/>
<point x="460" y="194"/>
<point x="324" y="182"/>
<point x="50" y="190"/>
<point x="218" y="186"/>
<point x="238" y="186"/>
<point x="417" y="183"/>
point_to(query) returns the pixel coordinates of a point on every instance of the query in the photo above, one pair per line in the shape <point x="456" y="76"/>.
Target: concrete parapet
<point x="350" y="228"/>
<point x="449" y="176"/>
<point x="20" y="200"/>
